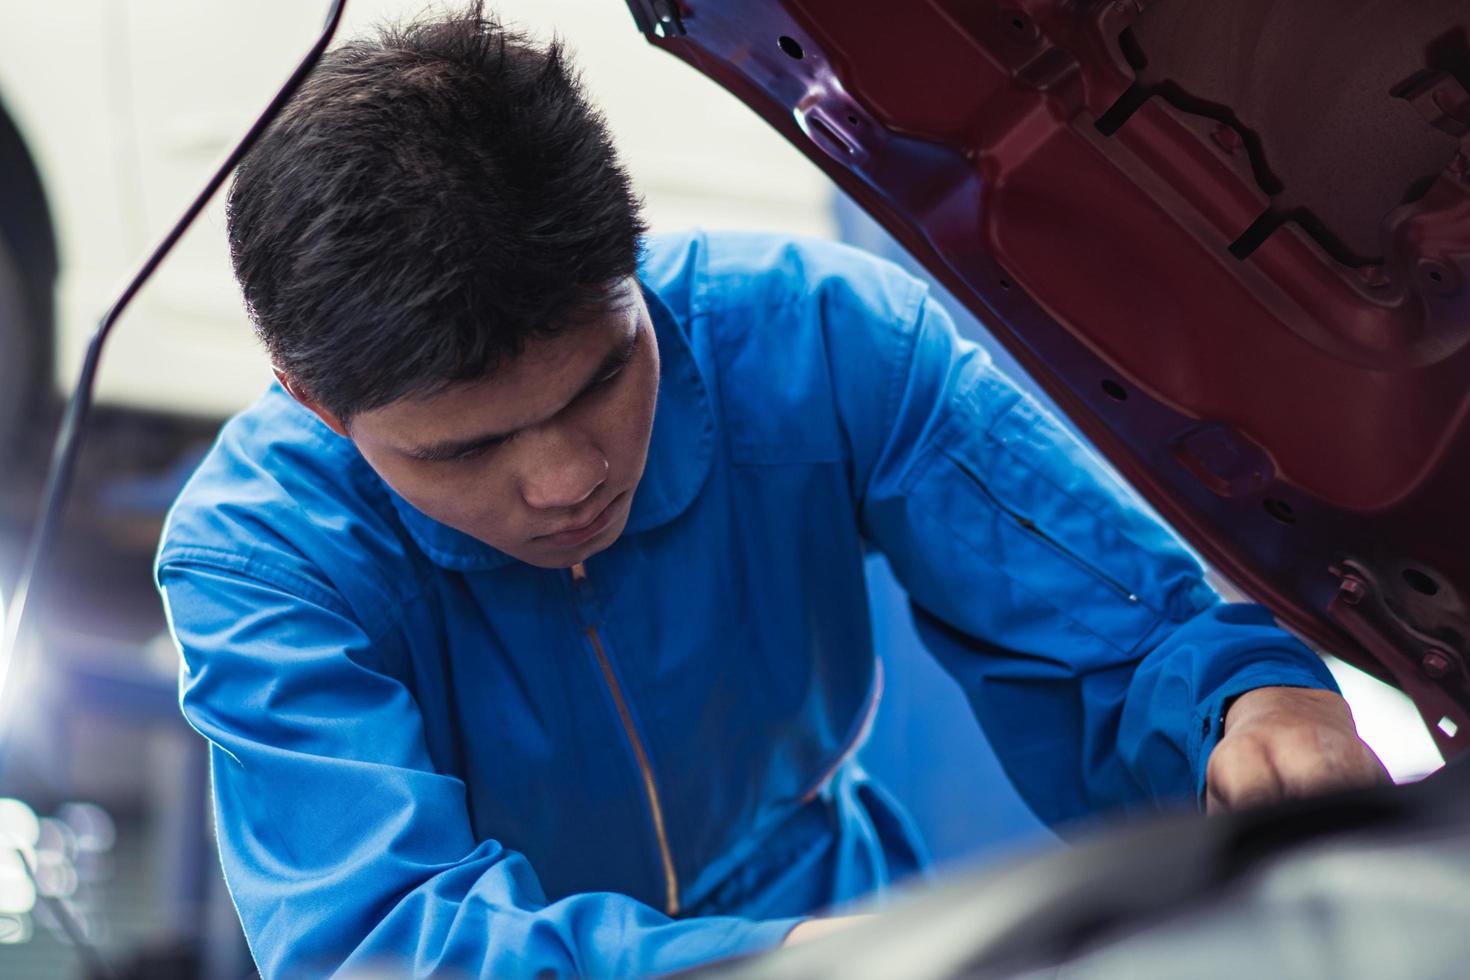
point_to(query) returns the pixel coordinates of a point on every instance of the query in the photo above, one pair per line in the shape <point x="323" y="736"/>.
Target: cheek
<point x="471" y="497"/>
<point x="635" y="421"/>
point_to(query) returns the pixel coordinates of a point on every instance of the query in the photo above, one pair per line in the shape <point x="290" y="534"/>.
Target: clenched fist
<point x="1282" y="742"/>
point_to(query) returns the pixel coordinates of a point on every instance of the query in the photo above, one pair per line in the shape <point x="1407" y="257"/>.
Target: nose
<point x="561" y="472"/>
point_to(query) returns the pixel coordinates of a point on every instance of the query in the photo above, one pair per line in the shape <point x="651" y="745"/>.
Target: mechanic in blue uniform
<point x="525" y="616"/>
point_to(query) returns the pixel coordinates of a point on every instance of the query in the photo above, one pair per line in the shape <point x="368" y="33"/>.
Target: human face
<point x="540" y="459"/>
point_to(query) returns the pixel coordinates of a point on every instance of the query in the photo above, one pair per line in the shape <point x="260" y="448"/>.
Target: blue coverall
<point x="430" y="756"/>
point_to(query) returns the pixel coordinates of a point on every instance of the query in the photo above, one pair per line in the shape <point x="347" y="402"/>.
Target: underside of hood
<point x="1231" y="240"/>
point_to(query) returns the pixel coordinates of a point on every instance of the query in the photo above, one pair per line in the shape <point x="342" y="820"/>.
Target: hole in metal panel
<point x="791" y="46"/>
<point x="1420" y="582"/>
<point x="1280" y="510"/>
<point x="1005" y="284"/>
<point x="1114" y="390"/>
<point x="1022" y="29"/>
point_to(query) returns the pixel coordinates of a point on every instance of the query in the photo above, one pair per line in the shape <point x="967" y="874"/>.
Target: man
<point x="526" y="616"/>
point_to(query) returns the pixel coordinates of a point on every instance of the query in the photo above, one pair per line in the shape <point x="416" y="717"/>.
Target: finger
<point x="1318" y="760"/>
<point x="1214" y="803"/>
<point x="1241" y="774"/>
<point x="1304" y="768"/>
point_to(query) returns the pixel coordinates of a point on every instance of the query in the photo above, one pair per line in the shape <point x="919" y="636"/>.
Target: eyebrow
<point x="614" y="362"/>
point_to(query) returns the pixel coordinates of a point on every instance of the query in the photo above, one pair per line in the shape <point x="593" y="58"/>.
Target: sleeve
<point x="1090" y="648"/>
<point x="343" y="848"/>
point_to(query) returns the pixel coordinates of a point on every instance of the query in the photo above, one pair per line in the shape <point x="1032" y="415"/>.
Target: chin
<point x="566" y="558"/>
<point x="547" y="556"/>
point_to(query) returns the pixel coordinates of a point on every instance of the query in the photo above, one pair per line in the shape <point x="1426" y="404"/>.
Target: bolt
<point x="1436" y="663"/>
<point x="1227" y="138"/>
<point x="1352" y="590"/>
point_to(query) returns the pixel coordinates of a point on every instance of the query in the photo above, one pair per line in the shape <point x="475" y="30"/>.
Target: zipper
<point x="1027" y="524"/>
<point x="859" y="736"/>
<point x="645" y="769"/>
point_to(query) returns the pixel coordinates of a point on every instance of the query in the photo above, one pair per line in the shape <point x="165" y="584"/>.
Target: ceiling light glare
<point x="18" y="823"/>
<point x="17" y="893"/>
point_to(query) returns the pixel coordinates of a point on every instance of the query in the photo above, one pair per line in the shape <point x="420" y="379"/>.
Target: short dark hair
<point x="432" y="198"/>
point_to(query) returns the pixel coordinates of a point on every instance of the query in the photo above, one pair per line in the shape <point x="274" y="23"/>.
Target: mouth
<point x="581" y="533"/>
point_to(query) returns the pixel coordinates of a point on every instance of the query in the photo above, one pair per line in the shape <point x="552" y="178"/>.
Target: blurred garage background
<point x="112" y="113"/>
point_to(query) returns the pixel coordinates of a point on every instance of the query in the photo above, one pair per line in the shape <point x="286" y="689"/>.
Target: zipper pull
<point x="579" y="573"/>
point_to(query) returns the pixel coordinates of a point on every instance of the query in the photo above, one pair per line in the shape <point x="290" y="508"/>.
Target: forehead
<point x="531" y="387"/>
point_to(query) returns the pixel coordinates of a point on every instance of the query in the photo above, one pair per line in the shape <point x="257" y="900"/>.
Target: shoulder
<point x="282" y="499"/>
<point x="713" y="273"/>
<point x="793" y="332"/>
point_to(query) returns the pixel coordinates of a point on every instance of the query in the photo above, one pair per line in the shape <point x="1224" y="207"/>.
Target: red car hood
<point x="1231" y="240"/>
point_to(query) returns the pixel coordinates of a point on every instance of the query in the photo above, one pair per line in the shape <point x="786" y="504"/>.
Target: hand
<point x="1282" y="742"/>
<point x="816" y="928"/>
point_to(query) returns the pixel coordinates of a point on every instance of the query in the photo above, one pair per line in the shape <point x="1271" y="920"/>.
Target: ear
<point x="299" y="393"/>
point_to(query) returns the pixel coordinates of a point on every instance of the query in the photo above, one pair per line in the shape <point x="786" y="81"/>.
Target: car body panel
<point x="1243" y="269"/>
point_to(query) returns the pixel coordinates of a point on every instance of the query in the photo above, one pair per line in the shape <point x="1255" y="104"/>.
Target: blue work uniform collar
<point x="679" y="454"/>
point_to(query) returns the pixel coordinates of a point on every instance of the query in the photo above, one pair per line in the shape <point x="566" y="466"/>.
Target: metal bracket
<point x="1425" y="669"/>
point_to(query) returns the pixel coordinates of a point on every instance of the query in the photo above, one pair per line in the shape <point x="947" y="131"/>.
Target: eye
<point x="624" y="358"/>
<point x="605" y="381"/>
<point x="475" y="452"/>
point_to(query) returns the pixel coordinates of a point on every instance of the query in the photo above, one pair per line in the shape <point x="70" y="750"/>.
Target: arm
<point x="343" y="847"/>
<point x="1084" y="636"/>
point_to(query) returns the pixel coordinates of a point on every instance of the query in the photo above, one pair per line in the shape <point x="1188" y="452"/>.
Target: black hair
<point x="434" y="197"/>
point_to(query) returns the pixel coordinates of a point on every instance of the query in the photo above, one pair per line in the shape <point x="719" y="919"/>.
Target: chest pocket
<point x="1019" y="493"/>
<point x="775" y="386"/>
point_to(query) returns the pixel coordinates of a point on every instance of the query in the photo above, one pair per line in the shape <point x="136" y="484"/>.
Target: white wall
<point x="129" y="103"/>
